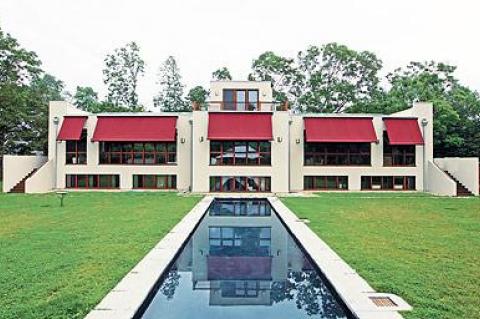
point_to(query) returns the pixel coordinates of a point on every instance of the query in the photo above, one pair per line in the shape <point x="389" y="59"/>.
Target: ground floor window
<point x="240" y="241"/>
<point x="325" y="182"/>
<point x="239" y="184"/>
<point x="93" y="181"/>
<point x="388" y="182"/>
<point x="155" y="181"/>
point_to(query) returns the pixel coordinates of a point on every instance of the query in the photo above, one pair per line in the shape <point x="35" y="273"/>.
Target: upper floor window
<point x="337" y="154"/>
<point x="240" y="153"/>
<point x="240" y="100"/>
<point x="397" y="155"/>
<point x="76" y="151"/>
<point x="138" y="153"/>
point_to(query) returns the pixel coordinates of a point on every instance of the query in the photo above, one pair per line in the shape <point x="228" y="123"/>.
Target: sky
<point x="72" y="38"/>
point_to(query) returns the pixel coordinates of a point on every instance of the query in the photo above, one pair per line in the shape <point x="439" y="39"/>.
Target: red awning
<point x="71" y="129"/>
<point x="403" y="131"/>
<point x="135" y="129"/>
<point x="340" y="129"/>
<point x="240" y="126"/>
<point x="239" y="267"/>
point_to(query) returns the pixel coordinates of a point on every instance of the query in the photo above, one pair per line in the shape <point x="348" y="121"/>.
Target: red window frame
<point x="348" y="154"/>
<point x="235" y="103"/>
<point x="232" y="180"/>
<point x="406" y="186"/>
<point x="325" y="178"/>
<point x="77" y="177"/>
<point x="393" y="151"/>
<point x="78" y="150"/>
<point x="258" y="153"/>
<point x="168" y="180"/>
<point x="105" y="157"/>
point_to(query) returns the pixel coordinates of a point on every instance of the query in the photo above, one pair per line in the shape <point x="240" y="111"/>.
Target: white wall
<point x="465" y="170"/>
<point x="16" y="167"/>
<point x="440" y="183"/>
<point x="264" y="89"/>
<point x="43" y="180"/>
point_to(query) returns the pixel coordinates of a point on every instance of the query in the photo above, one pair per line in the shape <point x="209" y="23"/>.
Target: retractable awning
<point x="240" y="126"/>
<point x="403" y="131"/>
<point x="135" y="129"/>
<point x="71" y="129"/>
<point x="339" y="130"/>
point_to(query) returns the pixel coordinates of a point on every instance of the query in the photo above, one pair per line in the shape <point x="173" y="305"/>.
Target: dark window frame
<point x="168" y="180"/>
<point x="259" y="153"/>
<point x="407" y="153"/>
<point x="77" y="150"/>
<point x="408" y="182"/>
<point x="315" y="185"/>
<point x="232" y="180"/>
<point x="233" y="105"/>
<point x="95" y="177"/>
<point x="168" y="149"/>
<point x="236" y="238"/>
<point x="324" y="151"/>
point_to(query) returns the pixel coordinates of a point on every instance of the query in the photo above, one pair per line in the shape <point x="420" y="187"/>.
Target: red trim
<point x="87" y="177"/>
<point x="135" y="128"/>
<point x="71" y="129"/>
<point x="166" y="178"/>
<point x="240" y="126"/>
<point x="403" y="131"/>
<point x="243" y="180"/>
<point x="339" y="130"/>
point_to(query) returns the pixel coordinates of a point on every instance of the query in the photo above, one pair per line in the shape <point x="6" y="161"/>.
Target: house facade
<point x="240" y="142"/>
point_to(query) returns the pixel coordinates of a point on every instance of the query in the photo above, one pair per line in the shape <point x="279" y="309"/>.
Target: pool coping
<point x="128" y="296"/>
<point x="354" y="291"/>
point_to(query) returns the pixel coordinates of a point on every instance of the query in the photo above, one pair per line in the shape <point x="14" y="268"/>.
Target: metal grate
<point x="383" y="302"/>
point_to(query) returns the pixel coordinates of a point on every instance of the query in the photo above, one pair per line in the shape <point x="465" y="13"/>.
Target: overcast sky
<point x="73" y="37"/>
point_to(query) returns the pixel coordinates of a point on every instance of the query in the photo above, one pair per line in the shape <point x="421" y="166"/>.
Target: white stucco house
<point x="241" y="142"/>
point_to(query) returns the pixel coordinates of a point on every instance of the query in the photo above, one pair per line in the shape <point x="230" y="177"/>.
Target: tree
<point x="170" y="97"/>
<point x="18" y="67"/>
<point x="198" y="94"/>
<point x="122" y="69"/>
<point x="85" y="98"/>
<point x="327" y="79"/>
<point x="221" y="74"/>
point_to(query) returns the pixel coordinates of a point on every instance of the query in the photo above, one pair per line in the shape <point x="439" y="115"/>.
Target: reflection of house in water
<point x="239" y="259"/>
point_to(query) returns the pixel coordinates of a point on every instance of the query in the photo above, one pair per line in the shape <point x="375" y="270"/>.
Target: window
<point x="240" y="288"/>
<point x="155" y="181"/>
<point x="76" y="151"/>
<point x="388" y="182"/>
<point x="93" y="181"/>
<point x="138" y="153"/>
<point x="231" y="207"/>
<point x="239" y="241"/>
<point x="325" y="182"/>
<point x="397" y="155"/>
<point x="337" y="154"/>
<point x="240" y="153"/>
<point x="240" y="100"/>
<point x="239" y="184"/>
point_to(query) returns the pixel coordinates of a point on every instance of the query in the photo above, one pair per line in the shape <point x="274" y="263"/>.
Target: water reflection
<point x="242" y="267"/>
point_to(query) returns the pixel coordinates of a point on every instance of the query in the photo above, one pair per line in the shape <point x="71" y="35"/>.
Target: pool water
<point x="241" y="262"/>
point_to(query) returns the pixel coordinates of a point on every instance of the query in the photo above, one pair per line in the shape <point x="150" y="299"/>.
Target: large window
<point x="240" y="100"/>
<point x="76" y="151"/>
<point x="337" y="154"/>
<point x="239" y="184"/>
<point x="233" y="207"/>
<point x="325" y="182"/>
<point x="240" y="288"/>
<point x="92" y="181"/>
<point x="138" y="153"/>
<point x="388" y="182"/>
<point x="240" y="241"/>
<point x="155" y="181"/>
<point x="397" y="155"/>
<point x="240" y="153"/>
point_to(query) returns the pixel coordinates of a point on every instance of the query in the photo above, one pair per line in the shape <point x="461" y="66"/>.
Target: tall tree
<point x="331" y="78"/>
<point x="121" y="73"/>
<point x="221" y="74"/>
<point x="198" y="94"/>
<point x="170" y="97"/>
<point x="18" y="67"/>
<point x="85" y="98"/>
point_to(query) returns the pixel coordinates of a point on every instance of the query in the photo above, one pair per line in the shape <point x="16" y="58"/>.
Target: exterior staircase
<point x="462" y="191"/>
<point x="20" y="187"/>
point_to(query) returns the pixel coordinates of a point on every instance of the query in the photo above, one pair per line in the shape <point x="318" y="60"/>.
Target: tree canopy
<point x="170" y="96"/>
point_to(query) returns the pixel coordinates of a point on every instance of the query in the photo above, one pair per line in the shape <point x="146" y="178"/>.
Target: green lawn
<point x="423" y="248"/>
<point x="59" y="262"/>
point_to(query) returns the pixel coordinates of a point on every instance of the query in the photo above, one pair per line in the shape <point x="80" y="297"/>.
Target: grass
<point x="59" y="262"/>
<point x="425" y="249"/>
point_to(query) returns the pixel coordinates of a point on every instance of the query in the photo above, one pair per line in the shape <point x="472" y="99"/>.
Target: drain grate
<point x="383" y="302"/>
